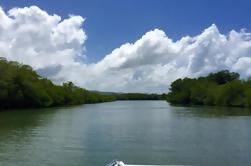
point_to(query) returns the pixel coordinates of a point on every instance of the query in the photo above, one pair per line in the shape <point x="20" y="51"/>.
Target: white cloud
<point x="54" y="47"/>
<point x="32" y="36"/>
<point x="154" y="61"/>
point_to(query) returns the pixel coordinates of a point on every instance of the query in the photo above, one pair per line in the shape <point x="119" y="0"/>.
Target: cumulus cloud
<point x="155" y="60"/>
<point x="54" y="47"/>
<point x="32" y="36"/>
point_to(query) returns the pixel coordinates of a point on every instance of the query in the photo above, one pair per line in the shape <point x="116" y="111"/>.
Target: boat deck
<point x="120" y="163"/>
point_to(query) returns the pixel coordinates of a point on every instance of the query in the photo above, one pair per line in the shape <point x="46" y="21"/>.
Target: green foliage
<point x="20" y="86"/>
<point x="222" y="88"/>
<point x="222" y="77"/>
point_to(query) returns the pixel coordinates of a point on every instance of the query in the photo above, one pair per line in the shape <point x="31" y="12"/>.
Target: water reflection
<point x="211" y="111"/>
<point x="140" y="132"/>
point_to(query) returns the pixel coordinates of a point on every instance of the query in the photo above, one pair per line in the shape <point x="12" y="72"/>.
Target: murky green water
<point x="138" y="132"/>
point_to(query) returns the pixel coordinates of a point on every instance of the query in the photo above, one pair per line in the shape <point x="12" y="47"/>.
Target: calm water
<point x="138" y="132"/>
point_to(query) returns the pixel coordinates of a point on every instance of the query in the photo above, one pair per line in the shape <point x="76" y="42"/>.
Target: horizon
<point x="144" y="53"/>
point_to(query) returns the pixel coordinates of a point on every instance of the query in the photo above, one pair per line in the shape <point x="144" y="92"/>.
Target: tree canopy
<point x="222" y="88"/>
<point x="21" y="86"/>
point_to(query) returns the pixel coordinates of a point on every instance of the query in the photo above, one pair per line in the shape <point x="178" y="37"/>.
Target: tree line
<point x="222" y="88"/>
<point x="139" y="96"/>
<point x="21" y="86"/>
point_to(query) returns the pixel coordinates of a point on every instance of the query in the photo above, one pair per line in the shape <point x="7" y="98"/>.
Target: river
<point x="136" y="132"/>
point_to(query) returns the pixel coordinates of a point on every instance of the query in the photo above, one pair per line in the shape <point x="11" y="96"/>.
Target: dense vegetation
<point x="223" y="88"/>
<point x="20" y="86"/>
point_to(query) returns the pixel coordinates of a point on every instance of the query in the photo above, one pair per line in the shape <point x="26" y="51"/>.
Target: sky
<point x="129" y="46"/>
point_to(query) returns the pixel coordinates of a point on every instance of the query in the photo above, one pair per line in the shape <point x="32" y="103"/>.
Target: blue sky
<point x="110" y="23"/>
